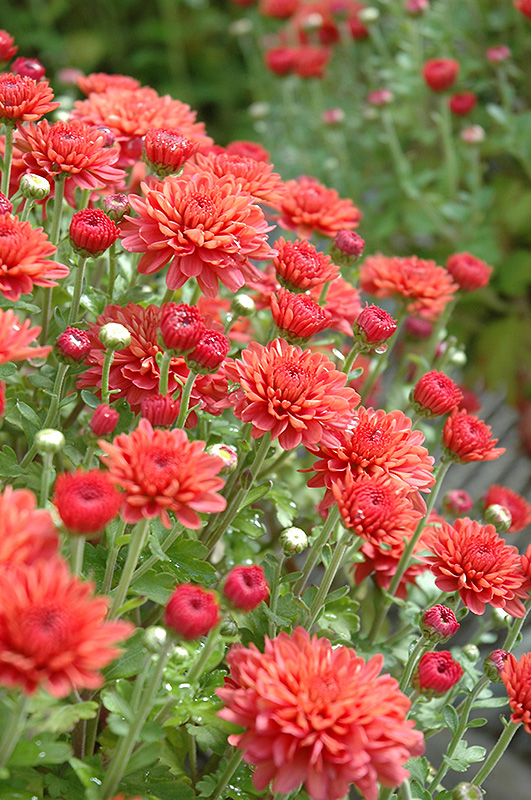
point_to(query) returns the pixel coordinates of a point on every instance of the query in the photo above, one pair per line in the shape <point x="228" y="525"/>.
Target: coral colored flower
<point x="254" y="177"/>
<point x="8" y="48"/>
<point x="524" y="6"/>
<point x="181" y="327"/>
<point x="377" y="508"/>
<point x="299" y="266"/>
<point x="28" y="68"/>
<point x="86" y="501"/>
<point x="209" y="353"/>
<point x="310" y="207"/>
<point x="160" y="411"/>
<point x="436" y="673"/>
<point x="440" y="73"/>
<point x="131" y="113"/>
<point x="27" y="533"/>
<point x="278" y="9"/>
<point x="343" y="303"/>
<point x="439" y="623"/>
<point x="467" y="438"/>
<point x="166" y="150"/>
<point x="473" y="560"/>
<point x="297" y="395"/>
<point x="297" y="316"/>
<point x="382" y="564"/>
<point x="374" y="326"/>
<point x="92" y="232"/>
<point x="99" y="82"/>
<point x="24" y="261"/>
<point x="311" y="61"/>
<point x="71" y="150"/>
<point x="376" y="441"/>
<point x="462" y="104"/>
<point x="518" y="507"/>
<point x="318" y="715"/>
<point x="6" y="206"/>
<point x="203" y="227"/>
<point x="72" y="346"/>
<point x="104" y="420"/>
<point x="516" y="676"/>
<point x="427" y="286"/>
<point x="23" y="99"/>
<point x="281" y="60"/>
<point x="435" y="394"/>
<point x="246" y="587"/>
<point x="242" y="147"/>
<point x="15" y="338"/>
<point x="161" y="471"/>
<point x="53" y="633"/>
<point x="192" y="611"/>
<point x="469" y="272"/>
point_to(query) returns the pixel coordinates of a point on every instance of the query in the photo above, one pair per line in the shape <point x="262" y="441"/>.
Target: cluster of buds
<point x="183" y="333"/>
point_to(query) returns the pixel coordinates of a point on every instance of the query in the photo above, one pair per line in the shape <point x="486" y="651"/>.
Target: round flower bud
<point x="499" y="516"/>
<point x="116" y="206"/>
<point x="34" y="187"/>
<point x="293" y="541"/>
<point x="154" y="638"/>
<point x="227" y="453"/>
<point x="160" y="411"/>
<point x="473" y="134"/>
<point x="438" y="623"/>
<point x="440" y="73"/>
<point x="209" y="353"/>
<point x="49" y="440"/>
<point x="72" y="346"/>
<point x="181" y="327"/>
<point x="469" y="272"/>
<point x="86" y="501"/>
<point x="333" y="116"/>
<point x="463" y="103"/>
<point x="104" y="420"/>
<point x="498" y="54"/>
<point x="380" y="97"/>
<point x="92" y="232"/>
<point x="228" y="627"/>
<point x="416" y="7"/>
<point x="457" y="502"/>
<point x="471" y="653"/>
<point x="114" y="336"/>
<point x="436" y="673"/>
<point x="246" y="587"/>
<point x="374" y="326"/>
<point x="28" y="68"/>
<point x="368" y="14"/>
<point x="243" y="305"/>
<point x="467" y="791"/>
<point x="435" y="394"/>
<point x="349" y="243"/>
<point x="493" y="665"/>
<point x="191" y="611"/>
<point x="6" y="206"/>
<point x="166" y="150"/>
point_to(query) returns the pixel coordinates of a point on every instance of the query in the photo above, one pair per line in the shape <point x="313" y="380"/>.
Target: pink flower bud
<point x="439" y="623"/>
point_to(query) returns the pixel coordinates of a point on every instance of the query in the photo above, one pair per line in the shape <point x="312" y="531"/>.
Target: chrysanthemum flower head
<point x="247" y="149"/>
<point x="27" y="533"/>
<point x="468" y="271"/>
<point x="8" y="48"/>
<point x="435" y="394"/>
<point x="161" y="411"/>
<point x="519" y="508"/>
<point x="374" y="326"/>
<point x="209" y="353"/>
<point x="92" y="232"/>
<point x="162" y="471"/>
<point x="440" y="73"/>
<point x="343" y="303"/>
<point x="297" y="395"/>
<point x="99" y="82"/>
<point x="439" y="623"/>
<point x="86" y="501"/>
<point x="516" y="675"/>
<point x="254" y="177"/>
<point x="436" y="673"/>
<point x="494" y="663"/>
<point x="299" y="266"/>
<point x="473" y="560"/>
<point x="166" y="150"/>
<point x="15" y="338"/>
<point x="53" y="633"/>
<point x="467" y="438"/>
<point x="310" y="207"/>
<point x="381" y="564"/>
<point x="246" y="587"/>
<point x="298" y="317"/>
<point x="317" y="715"/>
<point x="24" y="99"/>
<point x="72" y="346"/>
<point x="104" y="420"/>
<point x="192" y="611"/>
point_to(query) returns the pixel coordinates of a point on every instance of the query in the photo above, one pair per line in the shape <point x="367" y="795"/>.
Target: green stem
<point x="105" y="374"/>
<point x="13" y="729"/>
<point x="228" y="772"/>
<point x="273" y="595"/>
<point x="112" y="555"/>
<point x="165" y="545"/>
<point x="56" y="397"/>
<point x="420" y="648"/>
<point x="314" y="554"/>
<point x="330" y="573"/>
<point x="164" y="373"/>
<point x="185" y="399"/>
<point x="26" y="211"/>
<point x="9" y="129"/>
<point x="402" y="165"/>
<point x="354" y="353"/>
<point x="78" y="288"/>
<point x="435" y="336"/>
<point x="496" y="753"/>
<point x="198" y="666"/>
<point x="112" y="271"/>
<point x="136" y="545"/>
<point x="445" y="126"/>
<point x="77" y="549"/>
<point x="47" y="466"/>
<point x="55" y="235"/>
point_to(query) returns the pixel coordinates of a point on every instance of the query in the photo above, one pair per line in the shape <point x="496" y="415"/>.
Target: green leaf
<point x="419" y="769"/>
<point x="189" y="562"/>
<point x="257" y="493"/>
<point x="464" y="756"/>
<point x="145" y="755"/>
<point x="208" y="737"/>
<point x="7" y="369"/>
<point x="157" y="587"/>
<point x="418" y="792"/>
<point x="451" y="717"/>
<point x="63" y="718"/>
<point x="130" y="662"/>
<point x="41" y="750"/>
<point x="477" y="723"/>
<point x="90" y="399"/>
<point x="9" y="466"/>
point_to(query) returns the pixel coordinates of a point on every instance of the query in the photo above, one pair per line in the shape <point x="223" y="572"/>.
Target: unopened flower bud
<point x="34" y="187"/>
<point x="493" y="665"/>
<point x="209" y="353"/>
<point x="374" y="326"/>
<point x="416" y="7"/>
<point x="243" y="305"/>
<point x="436" y="673"/>
<point x="114" y="336"/>
<point x="116" y="206"/>
<point x="154" y="638"/>
<point x="467" y="791"/>
<point x="49" y="440"/>
<point x="349" y="243"/>
<point x="457" y="502"/>
<point x="228" y="627"/>
<point x="227" y="453"/>
<point x="181" y="327"/>
<point x="368" y="14"/>
<point x="333" y="116"/>
<point x="92" y="232"/>
<point x="435" y="394"/>
<point x="246" y="587"/>
<point x="380" y="97"/>
<point x="104" y="420"/>
<point x="499" y="516"/>
<point x="471" y="652"/>
<point x="497" y="55"/>
<point x="166" y="150"/>
<point x="72" y="346"/>
<point x="293" y="541"/>
<point x="438" y="623"/>
<point x="28" y="68"/>
<point x="473" y="134"/>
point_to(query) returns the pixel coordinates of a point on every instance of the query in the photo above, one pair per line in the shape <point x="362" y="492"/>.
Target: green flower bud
<point x="243" y="305"/>
<point x="49" y="440"/>
<point x="499" y="516"/>
<point x="228" y="627"/>
<point x="471" y="652"/>
<point x="34" y="187"/>
<point x="114" y="336"/>
<point x="467" y="791"/>
<point x="154" y="638"/>
<point x="293" y="541"/>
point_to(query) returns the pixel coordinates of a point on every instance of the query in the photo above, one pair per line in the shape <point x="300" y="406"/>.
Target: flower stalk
<point x="136" y="545"/>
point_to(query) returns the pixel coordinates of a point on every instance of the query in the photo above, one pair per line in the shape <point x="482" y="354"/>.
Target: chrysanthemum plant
<point x="225" y="566"/>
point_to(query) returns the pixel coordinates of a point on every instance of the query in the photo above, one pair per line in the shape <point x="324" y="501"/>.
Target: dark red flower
<point x="246" y="587"/>
<point x="8" y="48"/>
<point x="524" y="6"/>
<point x="311" y="61"/>
<point x="467" y="438"/>
<point x="463" y="103"/>
<point x="86" y="501"/>
<point x="281" y="60"/>
<point x="192" y="611"/>
<point x="440" y="73"/>
<point x="439" y="623"/>
<point x="349" y="243"/>
<point x="209" y="353"/>
<point x="28" y="68"/>
<point x="181" y="327"/>
<point x="278" y="9"/>
<point x="160" y="411"/>
<point x="92" y="232"/>
<point x="436" y="673"/>
<point x="104" y="420"/>
<point x="73" y="345"/>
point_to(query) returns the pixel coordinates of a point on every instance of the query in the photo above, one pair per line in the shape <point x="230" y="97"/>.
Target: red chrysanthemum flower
<point x="246" y="587"/>
<point x="24" y="261"/>
<point x="160" y="471"/>
<point x="161" y="411"/>
<point x="469" y="272"/>
<point x="100" y="82"/>
<point x="53" y="633"/>
<point x="299" y="266"/>
<point x="15" y="338"/>
<point x="8" y="48"/>
<point x="203" y="226"/>
<point x="440" y="73"/>
<point x="92" y="232"/>
<point x="311" y="61"/>
<point x="310" y="207"/>
<point x="318" y="715"/>
<point x="297" y="316"/>
<point x="439" y="623"/>
<point x="372" y="442"/>
<point x="209" y="353"/>
<point x="428" y="286"/>
<point x="166" y="150"/>
<point x="467" y="438"/>
<point x="29" y="68"/>
<point x="435" y="394"/>
<point x="181" y="327"/>
<point x="376" y="507"/>
<point x="343" y="303"/>
<point x="473" y="560"/>
<point x="436" y="673"/>
<point x="524" y="7"/>
<point x="23" y="99"/>
<point x="374" y="326"/>
<point x="72" y="346"/>
<point x="463" y="103"/>
<point x="517" y="506"/>
<point x="86" y="501"/>
<point x="6" y="206"/>
<point x="349" y="243"/>
<point x="280" y="60"/>
<point x="104" y="420"/>
<point x="27" y="533"/>
<point x="254" y="177"/>
<point x="192" y="611"/>
<point x="242" y="147"/>
<point x="516" y="676"/>
<point x="457" y="502"/>
<point x="297" y="395"/>
<point x="278" y="9"/>
<point x="131" y="113"/>
<point x="382" y="565"/>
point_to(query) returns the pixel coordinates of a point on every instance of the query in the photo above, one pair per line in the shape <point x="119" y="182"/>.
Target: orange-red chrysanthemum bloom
<point x="23" y="99"/>
<point x="53" y="633"/>
<point x="309" y="207"/>
<point x="99" y="82"/>
<point x="16" y="337"/>
<point x="203" y="227"/>
<point x="299" y="266"/>
<point x="24" y="261"/>
<point x="467" y="438"/>
<point x="27" y="533"/>
<point x="297" y="395"/>
<point x="376" y="441"/>
<point x="473" y="560"/>
<point x="318" y="715"/>
<point x="72" y="150"/>
<point x="131" y="113"/>
<point x="160" y="471"/>
<point x="298" y="317"/>
<point x="517" y="506"/>
<point x="516" y="675"/>
<point x="428" y="286"/>
<point x="253" y="176"/>
<point x="376" y="507"/>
